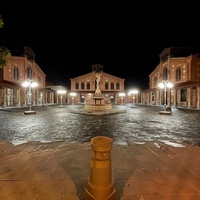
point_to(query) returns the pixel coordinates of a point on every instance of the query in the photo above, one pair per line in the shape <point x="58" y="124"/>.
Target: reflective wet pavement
<point x="138" y="124"/>
<point x="47" y="155"/>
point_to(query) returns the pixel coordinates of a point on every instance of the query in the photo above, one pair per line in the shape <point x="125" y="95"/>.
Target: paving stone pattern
<point x="47" y="155"/>
<point x="139" y="124"/>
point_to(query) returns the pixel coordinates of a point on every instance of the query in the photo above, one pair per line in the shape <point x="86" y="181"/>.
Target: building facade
<point x="59" y="91"/>
<point x="21" y="67"/>
<point x="181" y="67"/>
<point x="83" y="87"/>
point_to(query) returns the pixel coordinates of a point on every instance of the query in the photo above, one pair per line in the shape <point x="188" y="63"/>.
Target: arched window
<point x="178" y="74"/>
<point x="117" y="86"/>
<point x="29" y="73"/>
<point x="106" y="86"/>
<point x="112" y="86"/>
<point x="16" y="73"/>
<point x="88" y="85"/>
<point x="82" y="86"/>
<point x="77" y="86"/>
<point x="165" y="74"/>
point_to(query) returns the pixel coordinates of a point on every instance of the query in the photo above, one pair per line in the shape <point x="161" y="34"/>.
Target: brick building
<point x="181" y="67"/>
<point x="21" y="67"/>
<point x="83" y="87"/>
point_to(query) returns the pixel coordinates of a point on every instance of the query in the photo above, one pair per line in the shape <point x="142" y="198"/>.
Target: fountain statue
<point x="98" y="106"/>
<point x="98" y="78"/>
<point x="98" y="103"/>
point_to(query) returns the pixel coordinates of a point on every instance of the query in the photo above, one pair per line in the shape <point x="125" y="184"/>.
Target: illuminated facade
<point x="20" y="67"/>
<point x="83" y="87"/>
<point x="181" y="67"/>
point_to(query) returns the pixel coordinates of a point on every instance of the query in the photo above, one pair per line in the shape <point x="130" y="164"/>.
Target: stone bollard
<point x="100" y="184"/>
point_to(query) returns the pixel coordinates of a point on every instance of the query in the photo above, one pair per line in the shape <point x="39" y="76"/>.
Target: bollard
<point x="100" y="184"/>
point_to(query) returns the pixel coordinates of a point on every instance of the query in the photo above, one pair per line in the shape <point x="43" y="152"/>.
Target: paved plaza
<point x="47" y="155"/>
<point x="138" y="124"/>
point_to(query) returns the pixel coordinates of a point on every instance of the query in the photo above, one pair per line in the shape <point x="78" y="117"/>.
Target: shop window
<point x="10" y="91"/>
<point x="153" y="97"/>
<point x="183" y="95"/>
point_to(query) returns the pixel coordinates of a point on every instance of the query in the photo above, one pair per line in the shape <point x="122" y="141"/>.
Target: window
<point x="82" y="86"/>
<point x="29" y="73"/>
<point x="117" y="86"/>
<point x="183" y="95"/>
<point x="153" y="96"/>
<point x="16" y="73"/>
<point x="106" y="86"/>
<point x="112" y="86"/>
<point x="165" y="75"/>
<point x="88" y="85"/>
<point x="10" y="91"/>
<point x="178" y="74"/>
<point x="77" y="86"/>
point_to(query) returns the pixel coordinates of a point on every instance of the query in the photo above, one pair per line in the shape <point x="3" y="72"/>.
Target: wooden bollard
<point x="100" y="184"/>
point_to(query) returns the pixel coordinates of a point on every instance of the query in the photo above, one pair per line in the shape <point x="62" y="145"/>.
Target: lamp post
<point x="61" y="92"/>
<point x="122" y="95"/>
<point x="72" y="95"/>
<point x="30" y="84"/>
<point x="133" y="92"/>
<point x="165" y="84"/>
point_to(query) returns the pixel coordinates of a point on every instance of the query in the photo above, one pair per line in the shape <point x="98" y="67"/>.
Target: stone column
<point x="100" y="184"/>
<point x="188" y="97"/>
<point x="198" y="97"/>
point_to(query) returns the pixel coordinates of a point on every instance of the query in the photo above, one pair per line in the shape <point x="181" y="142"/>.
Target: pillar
<point x="100" y="184"/>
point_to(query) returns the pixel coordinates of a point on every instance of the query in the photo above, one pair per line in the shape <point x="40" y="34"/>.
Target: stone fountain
<point x="98" y="103"/>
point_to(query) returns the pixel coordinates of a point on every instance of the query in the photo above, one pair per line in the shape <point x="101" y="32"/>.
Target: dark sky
<point x="126" y="40"/>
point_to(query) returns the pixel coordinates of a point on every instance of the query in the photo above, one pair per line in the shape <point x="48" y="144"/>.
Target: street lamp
<point x="122" y="95"/>
<point x="72" y="95"/>
<point x="165" y="84"/>
<point x="30" y="84"/>
<point x="61" y="92"/>
<point x="133" y="92"/>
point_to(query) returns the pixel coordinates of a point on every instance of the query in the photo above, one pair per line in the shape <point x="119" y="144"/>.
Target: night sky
<point x="126" y="40"/>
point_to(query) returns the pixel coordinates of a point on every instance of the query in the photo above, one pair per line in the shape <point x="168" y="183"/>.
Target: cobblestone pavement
<point x="138" y="124"/>
<point x="53" y="158"/>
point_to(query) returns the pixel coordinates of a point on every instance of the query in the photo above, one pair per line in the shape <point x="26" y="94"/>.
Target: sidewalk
<point x="59" y="171"/>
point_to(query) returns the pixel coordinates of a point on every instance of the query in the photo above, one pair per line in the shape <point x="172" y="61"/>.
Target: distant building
<point x="181" y="67"/>
<point x="83" y="87"/>
<point x="21" y="67"/>
<point x="59" y="91"/>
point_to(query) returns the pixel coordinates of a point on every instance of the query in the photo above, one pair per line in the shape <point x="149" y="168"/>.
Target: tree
<point x="1" y="22"/>
<point x="4" y="53"/>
